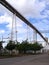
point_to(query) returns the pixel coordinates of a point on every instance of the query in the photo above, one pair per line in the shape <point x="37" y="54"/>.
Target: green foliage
<point x="17" y="45"/>
<point x="36" y="46"/>
<point x="10" y="46"/>
<point x="23" y="47"/>
<point x="26" y="46"/>
<point x="1" y="45"/>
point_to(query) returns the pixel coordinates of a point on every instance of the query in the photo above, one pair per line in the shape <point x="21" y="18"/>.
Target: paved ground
<point x="27" y="60"/>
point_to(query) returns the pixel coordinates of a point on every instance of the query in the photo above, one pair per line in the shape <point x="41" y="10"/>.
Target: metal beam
<point x="13" y="10"/>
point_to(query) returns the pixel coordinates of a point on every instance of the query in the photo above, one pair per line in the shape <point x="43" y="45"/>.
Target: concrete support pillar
<point x="34" y="36"/>
<point x="12" y="28"/>
<point x="47" y="40"/>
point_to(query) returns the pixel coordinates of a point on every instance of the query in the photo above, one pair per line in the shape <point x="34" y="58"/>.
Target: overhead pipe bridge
<point x="14" y="11"/>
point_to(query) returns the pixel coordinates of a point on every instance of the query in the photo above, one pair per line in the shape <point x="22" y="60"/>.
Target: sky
<point x="35" y="11"/>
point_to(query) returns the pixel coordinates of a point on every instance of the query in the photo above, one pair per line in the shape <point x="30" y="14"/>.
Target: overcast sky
<point x="36" y="11"/>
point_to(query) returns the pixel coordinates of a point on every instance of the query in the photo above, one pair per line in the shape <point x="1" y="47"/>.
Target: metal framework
<point x="14" y="11"/>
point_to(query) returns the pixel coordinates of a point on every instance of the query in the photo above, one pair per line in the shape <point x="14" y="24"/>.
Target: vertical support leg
<point x="34" y="36"/>
<point x="27" y="32"/>
<point x="12" y="28"/>
<point x="15" y="30"/>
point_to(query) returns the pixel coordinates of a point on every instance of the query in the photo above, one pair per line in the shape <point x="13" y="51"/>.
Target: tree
<point x="26" y="46"/>
<point x="36" y="46"/>
<point x="1" y="47"/>
<point x="17" y="45"/>
<point x="23" y="47"/>
<point x="10" y="46"/>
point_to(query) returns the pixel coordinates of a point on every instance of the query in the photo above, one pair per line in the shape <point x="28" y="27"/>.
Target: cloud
<point x="42" y="25"/>
<point x="5" y="18"/>
<point x="36" y="11"/>
<point x="2" y="31"/>
<point x="28" y="8"/>
<point x="8" y="19"/>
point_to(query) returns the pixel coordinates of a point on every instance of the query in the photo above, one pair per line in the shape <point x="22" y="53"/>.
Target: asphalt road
<point x="27" y="60"/>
